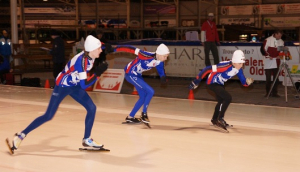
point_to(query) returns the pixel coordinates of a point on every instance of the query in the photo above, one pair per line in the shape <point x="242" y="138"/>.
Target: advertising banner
<point x="291" y="8"/>
<point x="65" y="10"/>
<point x="260" y="9"/>
<point x="271" y="22"/>
<point x="237" y="10"/>
<point x="110" y="81"/>
<point x="31" y="23"/>
<point x="237" y="21"/>
<point x="159" y="9"/>
<point x="187" y="61"/>
<point x="270" y="9"/>
<point x="295" y="74"/>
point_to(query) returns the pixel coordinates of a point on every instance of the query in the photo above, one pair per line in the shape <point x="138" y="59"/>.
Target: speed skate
<point x="219" y="128"/>
<point x="10" y="148"/>
<point x="147" y="124"/>
<point x="100" y="149"/>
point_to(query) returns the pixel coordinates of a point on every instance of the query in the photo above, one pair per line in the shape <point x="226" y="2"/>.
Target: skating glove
<point x="101" y="68"/>
<point x="194" y="84"/>
<point x="108" y="48"/>
<point x="163" y="80"/>
<point x="249" y="81"/>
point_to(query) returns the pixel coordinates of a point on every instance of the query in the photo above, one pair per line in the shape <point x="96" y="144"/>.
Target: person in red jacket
<point x="209" y="38"/>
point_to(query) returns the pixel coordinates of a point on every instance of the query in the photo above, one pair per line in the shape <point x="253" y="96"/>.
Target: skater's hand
<point x="101" y="68"/>
<point x="163" y="80"/>
<point x="194" y="84"/>
<point x="249" y="81"/>
<point x="108" y="48"/>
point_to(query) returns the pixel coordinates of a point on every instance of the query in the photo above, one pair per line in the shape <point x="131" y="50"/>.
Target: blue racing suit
<point x="133" y="74"/>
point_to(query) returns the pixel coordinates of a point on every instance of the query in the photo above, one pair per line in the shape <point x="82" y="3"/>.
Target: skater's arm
<point x="85" y="81"/>
<point x="161" y="71"/>
<point x="195" y="83"/>
<point x="127" y="49"/>
<point x="242" y="78"/>
<point x="143" y="55"/>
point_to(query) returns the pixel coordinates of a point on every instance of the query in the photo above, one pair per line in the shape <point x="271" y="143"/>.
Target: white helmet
<point x="238" y="57"/>
<point x="91" y="43"/>
<point x="162" y="49"/>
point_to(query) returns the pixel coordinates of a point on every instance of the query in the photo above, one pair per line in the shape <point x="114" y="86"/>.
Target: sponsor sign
<point x="187" y="61"/>
<point x="295" y="74"/>
<point x="260" y="9"/>
<point x="110" y="81"/>
<point x="271" y="22"/>
<point x="159" y="9"/>
<point x="237" y="21"/>
<point x="66" y="10"/>
<point x="31" y="23"/>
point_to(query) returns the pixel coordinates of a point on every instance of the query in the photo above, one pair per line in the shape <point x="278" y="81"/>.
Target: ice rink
<point x="263" y="139"/>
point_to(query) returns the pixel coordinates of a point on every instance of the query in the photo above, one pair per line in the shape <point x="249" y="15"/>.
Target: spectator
<point x="4" y="68"/>
<point x="5" y="45"/>
<point x="58" y="53"/>
<point x="272" y="61"/>
<point x="209" y="38"/>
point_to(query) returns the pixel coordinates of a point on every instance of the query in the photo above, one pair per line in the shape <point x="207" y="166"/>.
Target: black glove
<point x="163" y="80"/>
<point x="101" y="68"/>
<point x="194" y="84"/>
<point x="108" y="48"/>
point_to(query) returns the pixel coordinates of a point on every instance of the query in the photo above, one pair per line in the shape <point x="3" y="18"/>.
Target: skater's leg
<point x="149" y="94"/>
<point x="84" y="99"/>
<point x="137" y="82"/>
<point x="224" y="98"/>
<point x="217" y="108"/>
<point x="58" y="94"/>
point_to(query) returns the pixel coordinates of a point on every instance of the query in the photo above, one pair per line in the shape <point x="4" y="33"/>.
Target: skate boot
<point x="17" y="140"/>
<point x="15" y="143"/>
<point x="214" y="121"/>
<point x="89" y="142"/>
<point x="221" y="123"/>
<point x="218" y="124"/>
<point x="226" y="124"/>
<point x="132" y="120"/>
<point x="144" y="117"/>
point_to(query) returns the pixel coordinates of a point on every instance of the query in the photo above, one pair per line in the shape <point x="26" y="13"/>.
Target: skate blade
<point x="147" y="124"/>
<point x="11" y="150"/>
<point x="220" y="128"/>
<point x="131" y="123"/>
<point x="102" y="149"/>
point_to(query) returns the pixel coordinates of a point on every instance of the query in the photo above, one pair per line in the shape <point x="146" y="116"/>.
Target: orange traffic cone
<point x="134" y="91"/>
<point x="47" y="84"/>
<point x="191" y="95"/>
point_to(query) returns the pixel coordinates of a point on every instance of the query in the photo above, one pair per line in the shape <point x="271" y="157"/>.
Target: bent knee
<point x="92" y="108"/>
